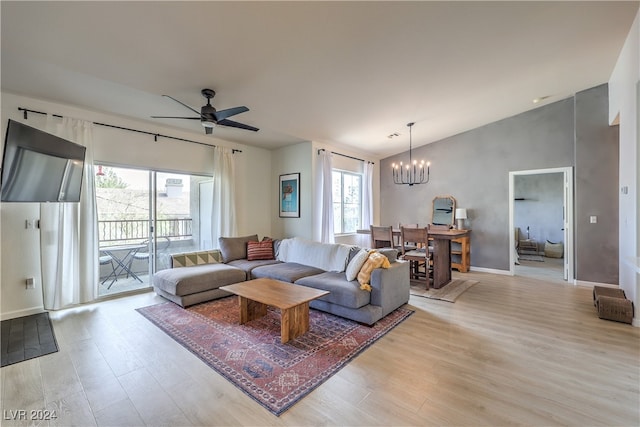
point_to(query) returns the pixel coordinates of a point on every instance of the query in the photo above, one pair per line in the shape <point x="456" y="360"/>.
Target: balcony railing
<point x="123" y="231"/>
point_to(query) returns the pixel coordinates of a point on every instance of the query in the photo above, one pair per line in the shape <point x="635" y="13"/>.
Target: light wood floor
<point x="551" y="269"/>
<point x="510" y="351"/>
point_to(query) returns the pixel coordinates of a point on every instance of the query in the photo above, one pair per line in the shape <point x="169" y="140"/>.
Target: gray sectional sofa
<point x="303" y="262"/>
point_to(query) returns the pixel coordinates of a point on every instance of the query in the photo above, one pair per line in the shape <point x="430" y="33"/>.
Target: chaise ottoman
<point x="195" y="277"/>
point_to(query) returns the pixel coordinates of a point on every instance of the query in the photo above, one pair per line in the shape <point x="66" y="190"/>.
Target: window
<point x="347" y="201"/>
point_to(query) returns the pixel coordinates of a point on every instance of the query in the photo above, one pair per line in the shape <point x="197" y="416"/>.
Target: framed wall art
<point x="289" y="195"/>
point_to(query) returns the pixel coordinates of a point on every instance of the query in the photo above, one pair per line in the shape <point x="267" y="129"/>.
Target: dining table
<point x="441" y="252"/>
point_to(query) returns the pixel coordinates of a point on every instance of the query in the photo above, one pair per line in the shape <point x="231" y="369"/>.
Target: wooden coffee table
<point x="292" y="300"/>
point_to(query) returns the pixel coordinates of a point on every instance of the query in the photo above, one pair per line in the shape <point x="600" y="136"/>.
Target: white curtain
<point x="367" y="203"/>
<point x="223" y="211"/>
<point x="325" y="171"/>
<point x="69" y="231"/>
<point x="367" y="195"/>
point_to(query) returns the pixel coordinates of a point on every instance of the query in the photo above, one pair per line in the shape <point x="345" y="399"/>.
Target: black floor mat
<point x="27" y="337"/>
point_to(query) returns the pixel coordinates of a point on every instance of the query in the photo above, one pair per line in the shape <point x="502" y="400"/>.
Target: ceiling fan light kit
<point x="209" y="117"/>
<point x="413" y="172"/>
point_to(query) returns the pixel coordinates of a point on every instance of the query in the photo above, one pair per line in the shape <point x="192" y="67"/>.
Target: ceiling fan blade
<point x="183" y="104"/>
<point x="223" y="114"/>
<point x="233" y="124"/>
<point x="169" y="117"/>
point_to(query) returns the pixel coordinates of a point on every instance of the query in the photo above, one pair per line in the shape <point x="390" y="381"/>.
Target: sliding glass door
<point x="122" y="198"/>
<point x="144" y="216"/>
<point x="177" y="218"/>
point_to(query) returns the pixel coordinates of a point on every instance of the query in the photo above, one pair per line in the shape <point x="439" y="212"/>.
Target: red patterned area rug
<point x="251" y="356"/>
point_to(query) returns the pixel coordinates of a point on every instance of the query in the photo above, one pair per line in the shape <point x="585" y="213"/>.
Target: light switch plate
<point x="593" y="219"/>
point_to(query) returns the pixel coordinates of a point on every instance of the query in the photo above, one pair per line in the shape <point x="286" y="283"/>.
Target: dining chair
<point x="408" y="246"/>
<point x="381" y="237"/>
<point x="420" y="259"/>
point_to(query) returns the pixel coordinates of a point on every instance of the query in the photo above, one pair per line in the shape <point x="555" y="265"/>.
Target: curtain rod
<point x="344" y="155"/>
<point x="155" y="135"/>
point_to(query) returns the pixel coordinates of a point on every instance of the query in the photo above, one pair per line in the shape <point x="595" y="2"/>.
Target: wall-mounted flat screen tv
<point x="40" y="167"/>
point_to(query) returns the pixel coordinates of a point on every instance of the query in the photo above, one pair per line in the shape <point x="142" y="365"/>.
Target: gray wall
<point x="474" y="168"/>
<point x="542" y="207"/>
<point x="596" y="185"/>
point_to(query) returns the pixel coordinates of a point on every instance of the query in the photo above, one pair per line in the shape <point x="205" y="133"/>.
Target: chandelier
<point x="413" y="172"/>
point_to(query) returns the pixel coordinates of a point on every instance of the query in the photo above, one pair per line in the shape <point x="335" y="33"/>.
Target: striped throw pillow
<point x="260" y="250"/>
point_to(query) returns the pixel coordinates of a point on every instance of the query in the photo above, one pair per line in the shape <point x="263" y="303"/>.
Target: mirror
<point x="444" y="208"/>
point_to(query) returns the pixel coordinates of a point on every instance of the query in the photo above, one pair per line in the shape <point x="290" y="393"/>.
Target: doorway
<point x="541" y="223"/>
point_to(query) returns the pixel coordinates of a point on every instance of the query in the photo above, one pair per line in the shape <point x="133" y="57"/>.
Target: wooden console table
<point x="461" y="249"/>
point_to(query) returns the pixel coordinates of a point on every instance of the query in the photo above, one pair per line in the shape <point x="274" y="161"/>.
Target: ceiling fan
<point x="209" y="117"/>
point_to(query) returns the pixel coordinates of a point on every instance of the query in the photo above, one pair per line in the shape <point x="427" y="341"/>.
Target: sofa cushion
<point x="234" y="247"/>
<point x="197" y="278"/>
<point x="342" y="292"/>
<point x="325" y="256"/>
<point x="248" y="266"/>
<point x="285" y="271"/>
<point x="390" y="253"/>
<point x="356" y="264"/>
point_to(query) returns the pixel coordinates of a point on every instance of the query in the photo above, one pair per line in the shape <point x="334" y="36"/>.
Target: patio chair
<point x="108" y="260"/>
<point x="162" y="245"/>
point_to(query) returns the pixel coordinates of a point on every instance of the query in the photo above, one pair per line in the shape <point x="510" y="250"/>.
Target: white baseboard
<point x="490" y="270"/>
<point x="586" y="284"/>
<point x="21" y="313"/>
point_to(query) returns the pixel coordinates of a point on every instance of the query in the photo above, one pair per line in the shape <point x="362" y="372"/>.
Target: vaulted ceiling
<point x="345" y="73"/>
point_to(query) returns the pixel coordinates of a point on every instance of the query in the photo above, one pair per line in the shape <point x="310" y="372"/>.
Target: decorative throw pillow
<point x="276" y="247"/>
<point x="375" y="260"/>
<point x="188" y="259"/>
<point x="391" y="254"/>
<point x="260" y="250"/>
<point x="353" y="251"/>
<point x="233" y="248"/>
<point x="356" y="264"/>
